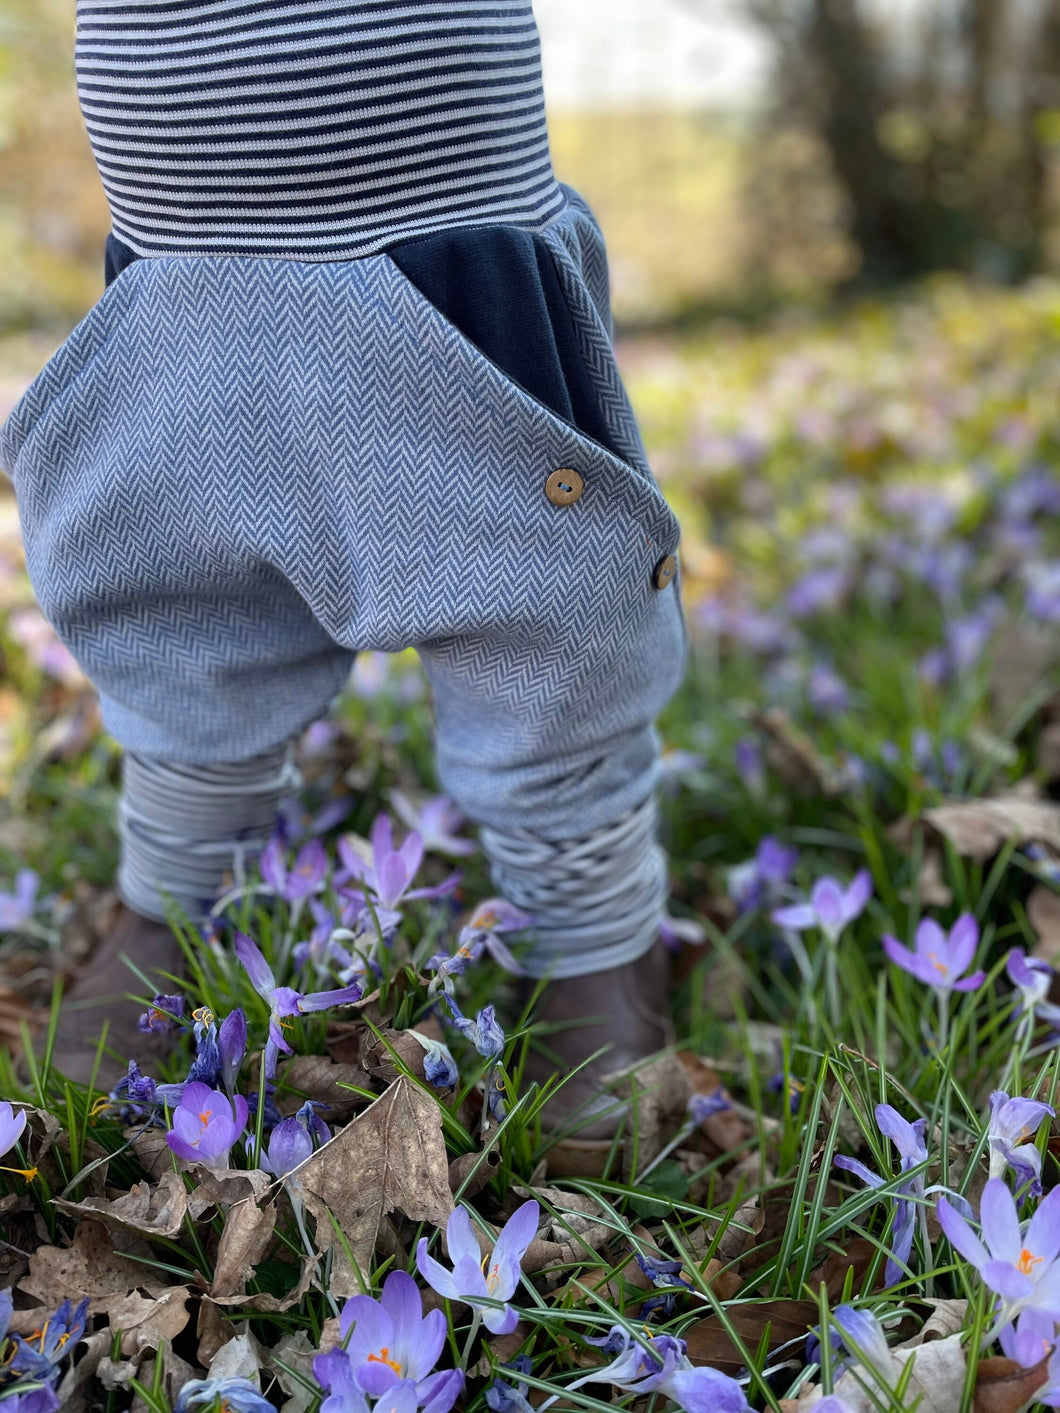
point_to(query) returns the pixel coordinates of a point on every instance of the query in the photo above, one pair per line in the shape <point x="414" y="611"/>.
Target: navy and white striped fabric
<point x="313" y="130"/>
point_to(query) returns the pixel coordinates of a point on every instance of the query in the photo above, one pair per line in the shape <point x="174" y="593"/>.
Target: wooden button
<point x="664" y="571"/>
<point x="564" y="486"/>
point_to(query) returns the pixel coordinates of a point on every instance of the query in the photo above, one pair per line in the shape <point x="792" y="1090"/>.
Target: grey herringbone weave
<point x="238" y="471"/>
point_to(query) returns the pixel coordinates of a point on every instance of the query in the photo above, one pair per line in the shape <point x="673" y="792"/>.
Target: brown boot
<point x="626" y="1010"/>
<point x="99" y="994"/>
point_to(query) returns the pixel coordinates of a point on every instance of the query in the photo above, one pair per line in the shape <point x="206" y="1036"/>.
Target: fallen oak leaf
<point x="786" y="1320"/>
<point x="89" y="1267"/>
<point x="247" y="1234"/>
<point x="1002" y="1386"/>
<point x="148" y="1211"/>
<point x="147" y="1322"/>
<point x="389" y="1158"/>
<point x="978" y="829"/>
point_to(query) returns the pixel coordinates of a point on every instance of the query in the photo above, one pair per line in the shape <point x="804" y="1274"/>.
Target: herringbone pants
<point x="237" y="472"/>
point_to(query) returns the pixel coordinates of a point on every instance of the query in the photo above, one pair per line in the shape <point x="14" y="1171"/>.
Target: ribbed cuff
<point x="598" y="901"/>
<point x="184" y="827"/>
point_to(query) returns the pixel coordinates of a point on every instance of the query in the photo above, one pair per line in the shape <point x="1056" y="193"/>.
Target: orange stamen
<point x="383" y="1357"/>
<point x="1027" y="1262"/>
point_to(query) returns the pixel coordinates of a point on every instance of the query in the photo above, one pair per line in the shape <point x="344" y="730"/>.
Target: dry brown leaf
<point x="318" y="1078"/>
<point x="153" y="1152"/>
<point x="146" y="1322"/>
<point x="1001" y="1386"/>
<point x="74" y="1391"/>
<point x="932" y="890"/>
<point x="794" y="757"/>
<point x="470" y="1173"/>
<point x="225" y="1187"/>
<point x="239" y="1358"/>
<point x="946" y="1318"/>
<point x="660" y="1090"/>
<point x="937" y="1380"/>
<point x="786" y="1320"/>
<point x="213" y="1329"/>
<point x="977" y="829"/>
<point x="1043" y="910"/>
<point x="247" y="1233"/>
<point x="726" y="1130"/>
<point x="157" y="1211"/>
<point x="390" y="1158"/>
<point x="90" y="1266"/>
<point x="832" y="1272"/>
<point x="294" y="1351"/>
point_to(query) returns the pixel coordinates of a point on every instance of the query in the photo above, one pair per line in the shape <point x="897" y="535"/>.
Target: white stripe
<point x="266" y="38"/>
<point x="112" y="168"/>
<point x="279" y="198"/>
<point x="278" y="212"/>
<point x="364" y="96"/>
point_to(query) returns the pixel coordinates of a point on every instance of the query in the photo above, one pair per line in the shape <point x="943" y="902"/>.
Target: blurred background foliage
<point x="872" y="141"/>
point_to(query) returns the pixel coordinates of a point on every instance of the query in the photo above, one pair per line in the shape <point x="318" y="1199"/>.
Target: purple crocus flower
<point x="1010" y="1134"/>
<point x="439" y="1067"/>
<point x="232" y="1047"/>
<point x="16" y="907"/>
<point x="233" y="1395"/>
<point x="12" y="1125"/>
<point x="206" y="1066"/>
<point x="704" y="1106"/>
<point x="205" y="1125"/>
<point x="1032" y="979"/>
<point x="1029" y="1340"/>
<point x="747" y="757"/>
<point x="831" y="907"/>
<point x="293" y="1140"/>
<point x="37" y="1355"/>
<point x="165" y="1013"/>
<point x="305" y="877"/>
<point x="504" y="1397"/>
<point x="484" y="1031"/>
<point x="1019" y="1265"/>
<point x="284" y="1001"/>
<point x="471" y="1278"/>
<point x="908" y="1138"/>
<point x="389" y="875"/>
<point x="940" y="958"/>
<point x="390" y="1346"/>
<point x="760" y="880"/>
<point x="436" y="821"/>
<point x="660" y="1364"/>
<point x="1043" y="591"/>
<point x="481" y="933"/>
<point x="826" y="692"/>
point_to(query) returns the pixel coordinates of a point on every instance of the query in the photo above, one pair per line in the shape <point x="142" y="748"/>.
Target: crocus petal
<point x="1009" y="1283"/>
<point x="500" y="1322"/>
<point x="970" y="983"/>
<point x="827" y="901"/>
<point x="519" y="1231"/>
<point x="411" y="853"/>
<point x="961" y="1236"/>
<point x="438" y="1392"/>
<point x="255" y="966"/>
<point x="930" y="939"/>
<point x="324" y="1000"/>
<point x="857" y="895"/>
<point x="964" y="939"/>
<point x="798" y="917"/>
<point x="435" y="1274"/>
<point x="901" y="956"/>
<point x="852" y="1165"/>
<point x="1043" y="1234"/>
<point x="706" y="1390"/>
<point x="906" y="1137"/>
<point x="460" y="1238"/>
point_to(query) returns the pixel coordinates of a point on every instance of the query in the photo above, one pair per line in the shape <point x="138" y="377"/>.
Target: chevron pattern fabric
<point x="238" y="472"/>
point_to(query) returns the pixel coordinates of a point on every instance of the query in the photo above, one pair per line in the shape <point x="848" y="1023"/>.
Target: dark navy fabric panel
<point x="498" y="285"/>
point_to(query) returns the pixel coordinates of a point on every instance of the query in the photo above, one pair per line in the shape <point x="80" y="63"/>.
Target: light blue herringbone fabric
<point x="236" y="472"/>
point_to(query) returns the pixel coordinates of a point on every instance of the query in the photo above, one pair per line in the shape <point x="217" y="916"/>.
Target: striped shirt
<point x="313" y="129"/>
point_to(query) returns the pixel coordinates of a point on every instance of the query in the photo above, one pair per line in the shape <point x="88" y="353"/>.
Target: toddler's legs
<point x="184" y="829"/>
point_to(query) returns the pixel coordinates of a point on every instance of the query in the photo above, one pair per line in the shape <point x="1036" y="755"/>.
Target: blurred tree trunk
<point x="939" y="139"/>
